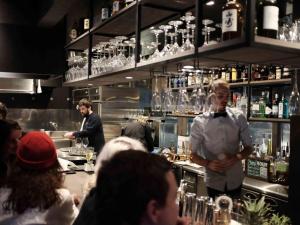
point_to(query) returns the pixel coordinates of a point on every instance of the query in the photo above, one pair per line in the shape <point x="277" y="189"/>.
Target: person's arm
<point x="92" y="126"/>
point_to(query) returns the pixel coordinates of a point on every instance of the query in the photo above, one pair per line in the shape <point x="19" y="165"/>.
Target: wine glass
<point x="156" y="53"/>
<point x="176" y="24"/>
<point x="89" y="153"/>
<point x="84" y="142"/>
<point x="156" y="98"/>
<point x="166" y="48"/>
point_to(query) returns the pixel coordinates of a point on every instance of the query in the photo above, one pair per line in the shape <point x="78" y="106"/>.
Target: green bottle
<point x="285" y="108"/>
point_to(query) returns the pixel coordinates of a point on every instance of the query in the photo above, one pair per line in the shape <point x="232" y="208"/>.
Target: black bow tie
<point x="218" y="114"/>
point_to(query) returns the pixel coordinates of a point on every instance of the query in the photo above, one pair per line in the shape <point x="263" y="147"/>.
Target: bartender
<point x="91" y="126"/>
<point x="216" y="138"/>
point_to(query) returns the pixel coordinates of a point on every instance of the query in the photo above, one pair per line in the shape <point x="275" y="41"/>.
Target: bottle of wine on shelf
<point x="267" y="18"/>
<point x="74" y="31"/>
<point x="232" y="20"/>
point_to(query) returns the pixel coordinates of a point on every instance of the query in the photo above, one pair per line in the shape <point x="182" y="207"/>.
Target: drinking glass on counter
<point x="89" y="153"/>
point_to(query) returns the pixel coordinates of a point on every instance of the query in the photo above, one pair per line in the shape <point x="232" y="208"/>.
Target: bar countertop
<point x="275" y="190"/>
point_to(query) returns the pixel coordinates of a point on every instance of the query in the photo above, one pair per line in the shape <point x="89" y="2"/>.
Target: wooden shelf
<point x="80" y="43"/>
<point x="276" y="120"/>
<point x="271" y="82"/>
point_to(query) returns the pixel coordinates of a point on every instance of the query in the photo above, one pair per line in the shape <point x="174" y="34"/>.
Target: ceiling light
<point x="129" y="78"/>
<point x="210" y="3"/>
<point x="188" y="67"/>
<point x="90" y="84"/>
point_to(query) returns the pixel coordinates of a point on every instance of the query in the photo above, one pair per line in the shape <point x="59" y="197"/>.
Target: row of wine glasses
<point x="289" y="32"/>
<point x="78" y="66"/>
<point x="113" y="55"/>
<point x="167" y="101"/>
<point x="171" y="31"/>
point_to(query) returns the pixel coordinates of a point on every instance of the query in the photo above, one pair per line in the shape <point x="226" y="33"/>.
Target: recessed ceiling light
<point x="129" y="77"/>
<point x="210" y="3"/>
<point x="90" y="84"/>
<point x="188" y="67"/>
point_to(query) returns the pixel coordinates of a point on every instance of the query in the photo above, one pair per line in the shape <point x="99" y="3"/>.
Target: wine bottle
<point x="232" y="20"/>
<point x="267" y="18"/>
<point x="74" y="31"/>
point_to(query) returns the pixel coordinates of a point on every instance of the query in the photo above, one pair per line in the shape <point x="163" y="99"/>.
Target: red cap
<point x="36" y="151"/>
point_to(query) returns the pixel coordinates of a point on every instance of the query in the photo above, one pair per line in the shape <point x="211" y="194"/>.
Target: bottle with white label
<point x="267" y="18"/>
<point x="280" y="109"/>
<point x="232" y="20"/>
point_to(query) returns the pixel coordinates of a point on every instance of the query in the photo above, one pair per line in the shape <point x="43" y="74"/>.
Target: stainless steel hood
<point x="16" y="85"/>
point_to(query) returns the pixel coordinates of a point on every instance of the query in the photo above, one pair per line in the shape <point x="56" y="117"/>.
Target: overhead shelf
<point x="271" y="82"/>
<point x="80" y="43"/>
<point x="253" y="119"/>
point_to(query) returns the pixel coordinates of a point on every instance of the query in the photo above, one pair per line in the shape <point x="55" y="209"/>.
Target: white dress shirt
<point x="211" y="137"/>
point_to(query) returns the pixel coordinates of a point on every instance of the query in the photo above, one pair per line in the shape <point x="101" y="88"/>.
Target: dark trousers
<point x="235" y="193"/>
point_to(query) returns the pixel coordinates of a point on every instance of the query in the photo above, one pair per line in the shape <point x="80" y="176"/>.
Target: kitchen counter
<point x="276" y="190"/>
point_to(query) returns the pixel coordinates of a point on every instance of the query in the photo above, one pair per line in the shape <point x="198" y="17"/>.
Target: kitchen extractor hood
<point x="14" y="85"/>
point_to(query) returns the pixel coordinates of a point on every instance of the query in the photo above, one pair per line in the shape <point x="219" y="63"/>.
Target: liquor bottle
<point x="74" y="31"/>
<point x="280" y="109"/>
<point x="264" y="73"/>
<point x="117" y="6"/>
<point x="232" y="20"/>
<point x="285" y="108"/>
<point x="262" y="105"/>
<point x="267" y="18"/>
<point x="278" y="72"/>
<point x="269" y="145"/>
<point x="256" y="73"/>
<point x="294" y="99"/>
<point x="228" y="75"/>
<point x="275" y="106"/>
<point x="286" y="73"/>
<point x="263" y="147"/>
<point x="244" y="73"/>
<point x="244" y="102"/>
<point x="255" y="109"/>
<point x="272" y="72"/>
<point x="86" y="24"/>
<point x="233" y="74"/>
<point x="223" y="73"/>
<point x="268" y="110"/>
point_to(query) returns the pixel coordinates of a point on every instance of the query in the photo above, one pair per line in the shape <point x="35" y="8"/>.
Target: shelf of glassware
<point x="276" y="120"/>
<point x="271" y="82"/>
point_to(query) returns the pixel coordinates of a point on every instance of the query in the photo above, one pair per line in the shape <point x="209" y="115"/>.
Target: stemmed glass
<point x="183" y="98"/>
<point x="206" y="30"/>
<point x="175" y="46"/>
<point x="182" y="32"/>
<point x="166" y="48"/>
<point x="156" y="98"/>
<point x="188" y="18"/>
<point x="201" y="94"/>
<point x="193" y="27"/>
<point x="168" y="101"/>
<point x="156" y="53"/>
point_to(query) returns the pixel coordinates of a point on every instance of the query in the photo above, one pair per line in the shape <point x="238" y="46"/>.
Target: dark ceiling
<point x="42" y="13"/>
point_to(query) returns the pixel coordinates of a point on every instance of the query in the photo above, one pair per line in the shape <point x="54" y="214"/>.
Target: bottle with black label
<point x="267" y="18"/>
<point x="275" y="109"/>
<point x="232" y="20"/>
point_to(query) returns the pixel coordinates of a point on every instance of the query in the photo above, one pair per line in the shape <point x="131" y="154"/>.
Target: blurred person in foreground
<point x="215" y="138"/>
<point x="108" y="151"/>
<point x="5" y="143"/>
<point x="3" y="111"/>
<point x="91" y="127"/>
<point x="33" y="192"/>
<point x="135" y="188"/>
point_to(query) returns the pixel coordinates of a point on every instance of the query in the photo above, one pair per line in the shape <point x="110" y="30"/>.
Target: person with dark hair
<point x="141" y="131"/>
<point x="33" y="192"/>
<point x="134" y="188"/>
<point x="91" y="126"/>
<point x="215" y="139"/>
<point x="5" y="133"/>
<point x="3" y="111"/>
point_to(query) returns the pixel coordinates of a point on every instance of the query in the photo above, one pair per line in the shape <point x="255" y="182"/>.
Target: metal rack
<point x="142" y="14"/>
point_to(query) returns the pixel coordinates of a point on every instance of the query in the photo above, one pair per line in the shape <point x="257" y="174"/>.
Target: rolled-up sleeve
<point x="196" y="137"/>
<point x="245" y="136"/>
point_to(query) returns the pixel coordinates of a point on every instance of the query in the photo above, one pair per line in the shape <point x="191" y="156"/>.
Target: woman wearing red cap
<point x="33" y="193"/>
